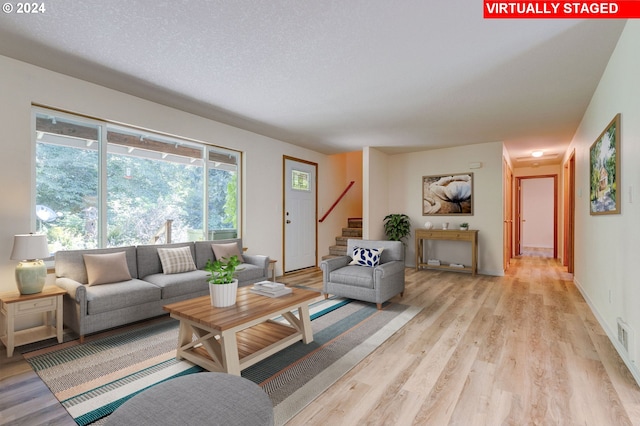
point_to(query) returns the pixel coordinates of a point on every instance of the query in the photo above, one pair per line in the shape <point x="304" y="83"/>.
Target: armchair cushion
<point x="356" y="275"/>
<point x="366" y="256"/>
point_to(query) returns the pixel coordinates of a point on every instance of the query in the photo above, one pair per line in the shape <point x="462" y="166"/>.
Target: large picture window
<point x="102" y="185"/>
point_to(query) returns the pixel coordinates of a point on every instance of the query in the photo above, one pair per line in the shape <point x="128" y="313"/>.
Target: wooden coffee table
<point x="233" y="338"/>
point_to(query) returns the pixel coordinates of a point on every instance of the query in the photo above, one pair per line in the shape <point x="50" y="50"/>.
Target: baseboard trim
<point x="610" y="334"/>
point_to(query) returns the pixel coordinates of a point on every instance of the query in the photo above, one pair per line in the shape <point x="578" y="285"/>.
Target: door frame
<point x="508" y="215"/>
<point x="518" y="229"/>
<point x="284" y="205"/>
<point x="569" y="212"/>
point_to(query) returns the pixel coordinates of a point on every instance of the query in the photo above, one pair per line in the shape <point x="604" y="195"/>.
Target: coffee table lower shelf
<point x="254" y="344"/>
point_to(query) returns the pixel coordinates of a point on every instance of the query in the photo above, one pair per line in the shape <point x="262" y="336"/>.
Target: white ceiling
<point x="334" y="76"/>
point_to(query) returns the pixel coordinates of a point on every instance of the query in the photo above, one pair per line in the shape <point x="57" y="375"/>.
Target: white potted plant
<point x="223" y="286"/>
<point x="464" y="226"/>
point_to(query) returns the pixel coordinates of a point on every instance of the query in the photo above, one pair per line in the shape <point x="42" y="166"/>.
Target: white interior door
<point x="538" y="213"/>
<point x="299" y="215"/>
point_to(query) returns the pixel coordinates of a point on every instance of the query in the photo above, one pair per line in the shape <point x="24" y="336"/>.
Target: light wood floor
<point x="523" y="349"/>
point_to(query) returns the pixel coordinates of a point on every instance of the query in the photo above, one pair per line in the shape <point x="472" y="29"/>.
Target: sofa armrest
<point x="256" y="259"/>
<point x="77" y="291"/>
<point x="388" y="269"/>
<point x="332" y="264"/>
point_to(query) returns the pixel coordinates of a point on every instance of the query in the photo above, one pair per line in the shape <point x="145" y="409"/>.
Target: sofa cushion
<point x="176" y="260"/>
<point x="108" y="298"/>
<point x="366" y="256"/>
<point x="179" y="284"/>
<point x="248" y="273"/>
<point x="149" y="261"/>
<point x="70" y="263"/>
<point x="359" y="276"/>
<point x="106" y="268"/>
<point x="226" y="251"/>
<point x="204" y="250"/>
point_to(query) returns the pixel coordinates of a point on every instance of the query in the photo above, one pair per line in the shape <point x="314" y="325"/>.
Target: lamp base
<point x="30" y="276"/>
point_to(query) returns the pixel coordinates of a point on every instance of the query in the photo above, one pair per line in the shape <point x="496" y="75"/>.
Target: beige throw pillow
<point x="106" y="268"/>
<point x="176" y="260"/>
<point x="227" y="250"/>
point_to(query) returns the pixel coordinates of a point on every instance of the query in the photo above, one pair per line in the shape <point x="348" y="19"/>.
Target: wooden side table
<point x="14" y="305"/>
<point x="272" y="269"/>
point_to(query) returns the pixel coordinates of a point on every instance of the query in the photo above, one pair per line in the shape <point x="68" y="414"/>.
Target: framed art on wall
<point x="604" y="166"/>
<point x="447" y="194"/>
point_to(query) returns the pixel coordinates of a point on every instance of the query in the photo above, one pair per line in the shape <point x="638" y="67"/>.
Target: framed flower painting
<point x="449" y="195"/>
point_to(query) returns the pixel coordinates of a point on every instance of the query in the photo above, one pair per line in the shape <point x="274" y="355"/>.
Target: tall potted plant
<point x="397" y="227"/>
<point x="223" y="286"/>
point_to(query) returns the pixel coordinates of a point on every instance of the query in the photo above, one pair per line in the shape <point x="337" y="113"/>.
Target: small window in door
<point x="300" y="180"/>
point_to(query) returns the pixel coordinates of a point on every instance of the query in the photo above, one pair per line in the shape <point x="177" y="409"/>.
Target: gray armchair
<point x="370" y="284"/>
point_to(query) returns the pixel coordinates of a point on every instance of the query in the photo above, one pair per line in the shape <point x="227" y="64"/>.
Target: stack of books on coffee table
<point x="270" y="289"/>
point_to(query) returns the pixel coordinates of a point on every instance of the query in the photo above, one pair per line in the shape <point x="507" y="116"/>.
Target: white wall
<point x="607" y="247"/>
<point x="375" y="194"/>
<point x="22" y="84"/>
<point x="405" y="196"/>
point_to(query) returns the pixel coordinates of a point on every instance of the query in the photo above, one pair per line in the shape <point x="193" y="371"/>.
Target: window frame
<point x="106" y="126"/>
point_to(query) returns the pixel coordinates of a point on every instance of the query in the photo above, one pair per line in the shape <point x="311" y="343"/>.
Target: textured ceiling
<point x="334" y="76"/>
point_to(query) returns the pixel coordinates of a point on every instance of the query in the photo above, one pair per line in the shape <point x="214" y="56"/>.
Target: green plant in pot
<point x="223" y="285"/>
<point x="397" y="227"/>
<point x="464" y="226"/>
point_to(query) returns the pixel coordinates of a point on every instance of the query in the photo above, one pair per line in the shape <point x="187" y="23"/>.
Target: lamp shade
<point x="30" y="247"/>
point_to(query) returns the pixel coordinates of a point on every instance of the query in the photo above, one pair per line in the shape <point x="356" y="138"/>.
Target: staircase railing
<point x="333" y="206"/>
<point x="164" y="229"/>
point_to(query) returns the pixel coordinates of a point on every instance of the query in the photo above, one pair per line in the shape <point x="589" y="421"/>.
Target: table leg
<point x="307" y="333"/>
<point x="59" y="325"/>
<point x="185" y="335"/>
<point x="11" y="329"/>
<point x="230" y="357"/>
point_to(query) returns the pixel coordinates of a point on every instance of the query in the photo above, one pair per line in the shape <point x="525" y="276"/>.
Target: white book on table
<point x="272" y="293"/>
<point x="269" y="285"/>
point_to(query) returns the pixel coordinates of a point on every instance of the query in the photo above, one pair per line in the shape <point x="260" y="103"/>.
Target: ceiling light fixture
<point x="537" y="154"/>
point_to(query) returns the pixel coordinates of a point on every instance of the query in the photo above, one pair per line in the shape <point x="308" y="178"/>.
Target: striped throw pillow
<point x="176" y="260"/>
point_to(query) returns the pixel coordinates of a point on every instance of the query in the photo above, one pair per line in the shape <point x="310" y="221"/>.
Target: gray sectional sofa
<point x="92" y="308"/>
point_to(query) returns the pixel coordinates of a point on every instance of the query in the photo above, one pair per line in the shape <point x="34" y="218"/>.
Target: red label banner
<point x="561" y="9"/>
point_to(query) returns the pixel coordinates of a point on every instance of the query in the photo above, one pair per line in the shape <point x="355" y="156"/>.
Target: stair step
<point x="354" y="222"/>
<point x="338" y="250"/>
<point x="342" y="241"/>
<point x="329" y="256"/>
<point x="352" y="232"/>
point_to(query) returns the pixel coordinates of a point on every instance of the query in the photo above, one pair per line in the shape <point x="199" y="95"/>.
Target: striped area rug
<point x="93" y="379"/>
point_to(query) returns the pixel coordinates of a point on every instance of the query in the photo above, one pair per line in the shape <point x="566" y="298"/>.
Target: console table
<point x="448" y="235"/>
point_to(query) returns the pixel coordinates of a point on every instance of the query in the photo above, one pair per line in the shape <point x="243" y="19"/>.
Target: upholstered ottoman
<point x="198" y="399"/>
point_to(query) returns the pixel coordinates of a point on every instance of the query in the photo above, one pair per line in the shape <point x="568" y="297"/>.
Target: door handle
<point x="288" y="221"/>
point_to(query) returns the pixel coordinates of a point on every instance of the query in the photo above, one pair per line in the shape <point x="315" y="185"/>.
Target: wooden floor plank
<point x="520" y="349"/>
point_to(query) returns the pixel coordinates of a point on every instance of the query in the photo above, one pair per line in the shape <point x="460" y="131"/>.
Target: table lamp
<point x="31" y="272"/>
